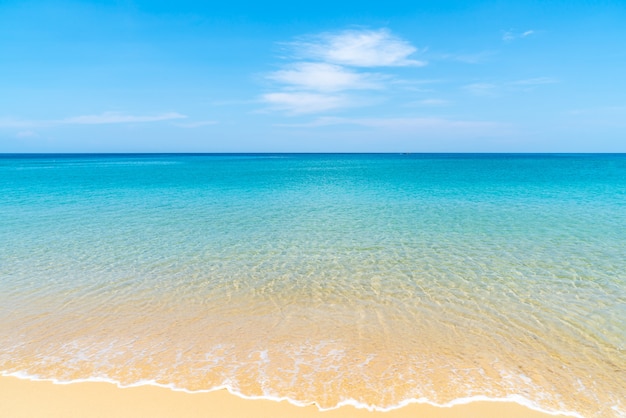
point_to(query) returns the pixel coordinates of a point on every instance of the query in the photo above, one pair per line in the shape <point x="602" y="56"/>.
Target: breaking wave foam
<point x="518" y="399"/>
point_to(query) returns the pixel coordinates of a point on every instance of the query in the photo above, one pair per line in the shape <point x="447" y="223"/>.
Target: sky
<point x="319" y="76"/>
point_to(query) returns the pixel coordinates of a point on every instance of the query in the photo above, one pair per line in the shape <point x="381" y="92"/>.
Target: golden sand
<point x="24" y="398"/>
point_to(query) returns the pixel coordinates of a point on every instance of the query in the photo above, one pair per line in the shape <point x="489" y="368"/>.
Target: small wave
<point x="518" y="399"/>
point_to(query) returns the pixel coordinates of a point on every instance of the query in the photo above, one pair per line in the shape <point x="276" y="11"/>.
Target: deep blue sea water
<point x="372" y="279"/>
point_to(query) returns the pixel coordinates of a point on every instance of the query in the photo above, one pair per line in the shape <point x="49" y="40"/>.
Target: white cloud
<point x="116" y="117"/>
<point x="508" y="36"/>
<point x="101" y="119"/>
<point x="303" y="102"/>
<point x="535" y="81"/>
<point x="493" y="89"/>
<point x="511" y="35"/>
<point x="430" y="126"/>
<point x="324" y="77"/>
<point x="399" y="123"/>
<point x="197" y="124"/>
<point x="329" y="63"/>
<point x="358" y="48"/>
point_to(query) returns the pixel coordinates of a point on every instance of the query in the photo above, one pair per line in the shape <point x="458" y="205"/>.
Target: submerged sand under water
<point x="372" y="281"/>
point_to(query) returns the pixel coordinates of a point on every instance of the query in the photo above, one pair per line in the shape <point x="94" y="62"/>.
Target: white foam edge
<point x="518" y="399"/>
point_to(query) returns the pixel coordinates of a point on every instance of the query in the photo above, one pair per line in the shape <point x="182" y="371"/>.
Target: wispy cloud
<point x="296" y="103"/>
<point x="535" y="81"/>
<point x="197" y="124"/>
<point x="100" y="119"/>
<point x="320" y="76"/>
<point x="493" y="89"/>
<point x="116" y="117"/>
<point x="327" y="66"/>
<point x="431" y="126"/>
<point x="511" y="35"/>
<point x="357" y="48"/>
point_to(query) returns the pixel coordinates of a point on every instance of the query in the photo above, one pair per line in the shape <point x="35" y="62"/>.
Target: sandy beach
<point x="24" y="398"/>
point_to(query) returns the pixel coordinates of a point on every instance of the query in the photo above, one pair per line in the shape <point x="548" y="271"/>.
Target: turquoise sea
<point x="375" y="280"/>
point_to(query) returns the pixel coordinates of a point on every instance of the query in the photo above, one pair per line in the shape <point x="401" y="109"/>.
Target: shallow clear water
<point x="372" y="279"/>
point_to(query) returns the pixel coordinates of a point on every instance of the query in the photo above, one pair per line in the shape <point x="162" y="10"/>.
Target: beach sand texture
<point x="29" y="399"/>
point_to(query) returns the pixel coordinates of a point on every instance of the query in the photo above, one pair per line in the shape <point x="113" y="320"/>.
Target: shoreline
<point x="20" y="397"/>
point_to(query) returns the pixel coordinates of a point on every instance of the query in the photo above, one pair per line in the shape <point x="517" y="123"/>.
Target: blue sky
<point x="379" y="76"/>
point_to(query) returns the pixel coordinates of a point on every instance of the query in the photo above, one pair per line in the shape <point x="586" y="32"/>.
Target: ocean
<point x="368" y="279"/>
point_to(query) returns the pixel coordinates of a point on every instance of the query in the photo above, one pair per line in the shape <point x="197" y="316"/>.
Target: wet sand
<point x="24" y="398"/>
